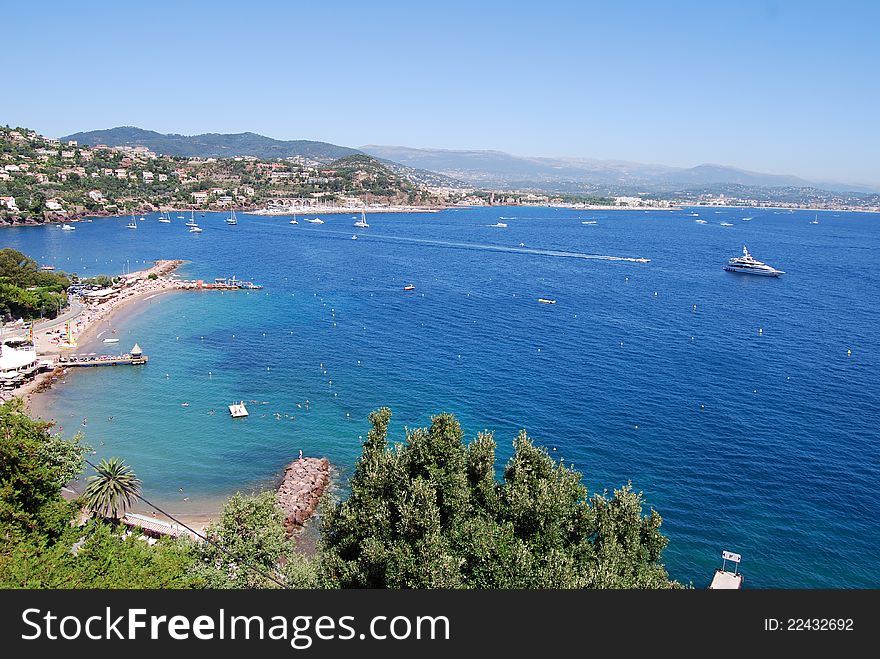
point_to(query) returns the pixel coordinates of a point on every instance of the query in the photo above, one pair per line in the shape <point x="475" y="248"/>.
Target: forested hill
<point x="215" y="145"/>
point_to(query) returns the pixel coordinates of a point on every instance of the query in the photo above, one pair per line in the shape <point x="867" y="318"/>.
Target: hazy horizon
<point x="765" y="86"/>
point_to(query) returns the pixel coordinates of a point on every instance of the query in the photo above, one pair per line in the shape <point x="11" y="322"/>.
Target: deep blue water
<point x="744" y="421"/>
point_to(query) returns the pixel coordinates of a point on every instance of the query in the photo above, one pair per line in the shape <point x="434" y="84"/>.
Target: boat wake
<point x="501" y="248"/>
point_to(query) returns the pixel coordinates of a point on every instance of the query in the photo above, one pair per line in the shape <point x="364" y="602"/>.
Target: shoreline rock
<point x="302" y="485"/>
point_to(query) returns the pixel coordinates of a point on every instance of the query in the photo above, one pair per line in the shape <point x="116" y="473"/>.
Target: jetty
<point x="134" y="358"/>
<point x="304" y="481"/>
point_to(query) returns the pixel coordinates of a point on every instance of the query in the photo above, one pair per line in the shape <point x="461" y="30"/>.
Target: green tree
<point x="112" y="489"/>
<point x="430" y="513"/>
<point x="251" y="531"/>
<point x="95" y="556"/>
<point x="34" y="466"/>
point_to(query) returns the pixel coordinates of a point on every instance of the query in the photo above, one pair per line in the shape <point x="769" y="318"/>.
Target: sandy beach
<point x="50" y="338"/>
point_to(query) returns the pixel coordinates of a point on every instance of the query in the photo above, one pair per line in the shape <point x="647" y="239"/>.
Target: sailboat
<point x="232" y="219"/>
<point x="362" y="223"/>
<point x="293" y="221"/>
<point x="815" y="221"/>
<point x="192" y="220"/>
<point x="164" y="218"/>
<point x="132" y="224"/>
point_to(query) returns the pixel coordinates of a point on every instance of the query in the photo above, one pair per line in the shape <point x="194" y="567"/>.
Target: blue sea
<point x="729" y="400"/>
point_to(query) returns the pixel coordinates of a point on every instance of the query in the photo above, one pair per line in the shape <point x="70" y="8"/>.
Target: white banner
<point x="730" y="556"/>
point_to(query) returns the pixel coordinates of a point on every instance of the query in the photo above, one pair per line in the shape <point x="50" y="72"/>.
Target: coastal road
<point x="72" y="312"/>
<point x="46" y="325"/>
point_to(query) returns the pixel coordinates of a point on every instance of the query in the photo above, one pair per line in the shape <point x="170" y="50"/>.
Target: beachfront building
<point x="17" y="365"/>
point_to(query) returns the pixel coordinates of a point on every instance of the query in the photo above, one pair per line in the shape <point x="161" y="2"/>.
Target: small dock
<point x="134" y="358"/>
<point x="724" y="579"/>
<point x="227" y="284"/>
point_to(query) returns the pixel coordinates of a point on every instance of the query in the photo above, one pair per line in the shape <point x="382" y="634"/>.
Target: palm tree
<point x="112" y="489"/>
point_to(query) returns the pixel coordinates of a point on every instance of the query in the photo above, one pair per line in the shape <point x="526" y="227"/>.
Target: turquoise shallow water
<point x="780" y="463"/>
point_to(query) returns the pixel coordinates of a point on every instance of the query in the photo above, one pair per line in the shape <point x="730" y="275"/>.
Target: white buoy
<point x="695" y="307"/>
<point x="849" y="353"/>
<point x="760" y="330"/>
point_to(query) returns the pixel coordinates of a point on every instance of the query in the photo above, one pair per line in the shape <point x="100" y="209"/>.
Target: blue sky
<point x="772" y="85"/>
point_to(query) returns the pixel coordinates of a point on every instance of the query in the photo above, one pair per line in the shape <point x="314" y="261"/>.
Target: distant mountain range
<point x="485" y="169"/>
<point x="501" y="170"/>
<point x="213" y="145"/>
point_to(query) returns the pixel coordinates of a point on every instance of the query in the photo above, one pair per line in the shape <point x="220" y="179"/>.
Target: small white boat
<point x="111" y="340"/>
<point x="238" y="410"/>
<point x="354" y="237"/>
<point x="746" y="219"/>
<point x="317" y="220"/>
<point x="726" y="224"/>
<point x="195" y="229"/>
<point x="589" y="222"/>
<point x="362" y="223"/>
<point x="142" y="219"/>
<point x="180" y="217"/>
<point x="68" y="227"/>
<point x="701" y="221"/>
<point x="499" y="225"/>
<point x="293" y="222"/>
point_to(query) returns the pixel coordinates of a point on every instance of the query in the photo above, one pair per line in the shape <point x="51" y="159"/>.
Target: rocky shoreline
<point x="304" y="481"/>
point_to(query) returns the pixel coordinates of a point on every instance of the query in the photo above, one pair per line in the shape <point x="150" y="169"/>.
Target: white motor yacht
<point x="747" y="264"/>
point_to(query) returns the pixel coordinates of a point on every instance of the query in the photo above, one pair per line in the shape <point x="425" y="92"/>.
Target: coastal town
<point x="43" y="179"/>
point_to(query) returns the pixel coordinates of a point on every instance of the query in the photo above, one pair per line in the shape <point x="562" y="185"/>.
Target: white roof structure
<point x="104" y="292"/>
<point x="12" y="359"/>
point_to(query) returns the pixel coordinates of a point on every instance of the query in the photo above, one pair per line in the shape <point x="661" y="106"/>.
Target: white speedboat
<point x="317" y="220"/>
<point x="701" y="221"/>
<point x="195" y="229"/>
<point x="354" y="237"/>
<point x="749" y="265"/>
<point x="68" y="227"/>
<point x="499" y="225"/>
<point x="727" y="224"/>
<point x="589" y="222"/>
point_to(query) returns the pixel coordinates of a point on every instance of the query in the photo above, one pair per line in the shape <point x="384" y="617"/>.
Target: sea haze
<point x="729" y="400"/>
